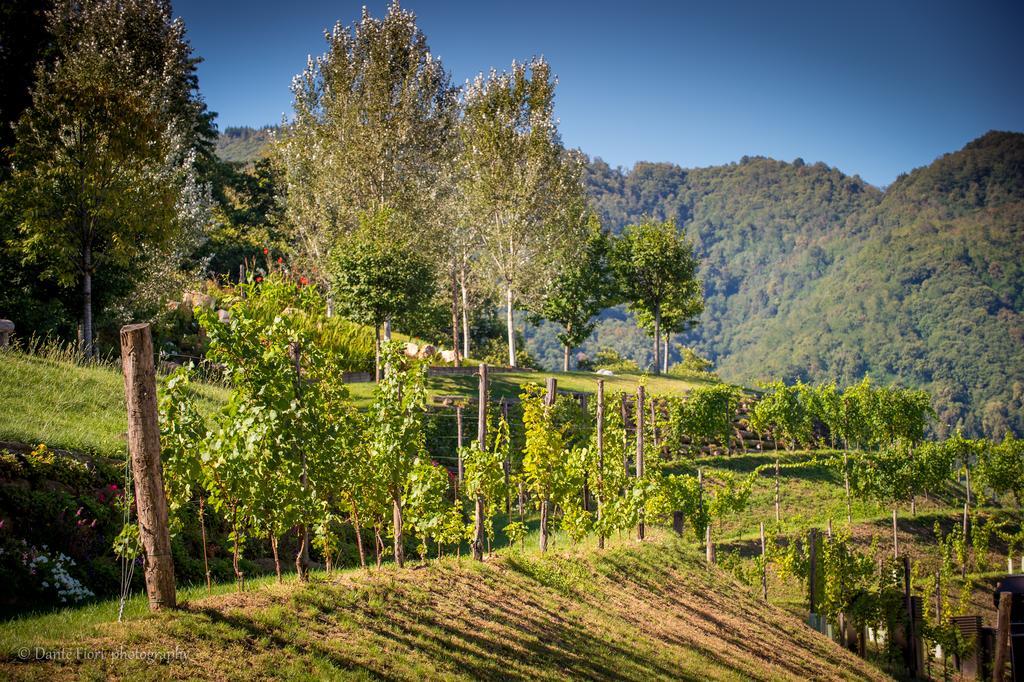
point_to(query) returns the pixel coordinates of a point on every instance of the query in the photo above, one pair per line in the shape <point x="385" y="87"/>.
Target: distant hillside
<point x="812" y="274"/>
<point x="243" y="144"/>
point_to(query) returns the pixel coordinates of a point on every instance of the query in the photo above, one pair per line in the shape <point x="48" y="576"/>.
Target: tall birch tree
<point x="374" y="119"/>
<point x="520" y="185"/>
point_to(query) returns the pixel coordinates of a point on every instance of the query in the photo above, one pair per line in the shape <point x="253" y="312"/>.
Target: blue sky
<point x="873" y="88"/>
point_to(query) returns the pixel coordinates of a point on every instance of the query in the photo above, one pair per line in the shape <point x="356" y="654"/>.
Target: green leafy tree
<point x="522" y="190"/>
<point x="580" y="290"/>
<point x="373" y="127"/>
<point x="104" y="157"/>
<point x="657" y="275"/>
<point x="374" y="280"/>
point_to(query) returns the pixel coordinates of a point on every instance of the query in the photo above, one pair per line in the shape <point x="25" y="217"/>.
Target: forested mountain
<point x="243" y="144"/>
<point x="810" y="273"/>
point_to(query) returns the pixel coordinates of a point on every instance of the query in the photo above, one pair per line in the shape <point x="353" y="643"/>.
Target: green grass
<point x="634" y="612"/>
<point x="49" y="398"/>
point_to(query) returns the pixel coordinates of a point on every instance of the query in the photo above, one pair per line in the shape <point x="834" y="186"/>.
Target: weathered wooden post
<point x="144" y="450"/>
<point x="895" y="538"/>
<point x="506" y="465"/>
<point x="778" y="506"/>
<point x="1002" y="636"/>
<point x="549" y="401"/>
<point x="967" y="500"/>
<point x="458" y="438"/>
<point x="846" y="485"/>
<point x="911" y="654"/>
<point x="481" y="437"/>
<point x="812" y="577"/>
<point x="709" y="546"/>
<point x="764" y="567"/>
<point x="302" y="557"/>
<point x="640" y="451"/>
<point x="625" y="434"/>
<point x="600" y="460"/>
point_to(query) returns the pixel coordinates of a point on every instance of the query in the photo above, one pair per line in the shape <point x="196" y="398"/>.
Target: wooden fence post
<point x="812" y="576"/>
<point x="506" y="466"/>
<point x="640" y="452"/>
<point x="549" y="401"/>
<point x="912" y="644"/>
<point x="600" y="460"/>
<point x="709" y="546"/>
<point x="302" y="556"/>
<point x="144" y="450"/>
<point x="895" y="538"/>
<point x="458" y="438"/>
<point x="481" y="437"/>
<point x="1002" y="636"/>
<point x="625" y="435"/>
<point x="764" y="567"/>
<point x="846" y="485"/>
<point x="778" y="506"/>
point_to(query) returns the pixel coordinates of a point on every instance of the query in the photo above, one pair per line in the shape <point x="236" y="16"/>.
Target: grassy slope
<point x="66" y="405"/>
<point x="81" y="408"/>
<point x="631" y="612"/>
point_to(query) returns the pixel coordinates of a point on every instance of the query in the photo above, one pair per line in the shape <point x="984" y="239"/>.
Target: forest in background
<point x="812" y="274"/>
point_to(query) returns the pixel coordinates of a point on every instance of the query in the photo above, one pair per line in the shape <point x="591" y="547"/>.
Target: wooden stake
<point x="709" y="546"/>
<point x="895" y="537"/>
<point x="458" y="434"/>
<point x="549" y="401"/>
<point x="144" y="450"/>
<point x="846" y="484"/>
<point x="600" y="458"/>
<point x="764" y="567"/>
<point x="640" y="451"/>
<point x="481" y="437"/>
<point x="778" y="507"/>
<point x="812" y="540"/>
<point x="1002" y="636"/>
<point x="506" y="466"/>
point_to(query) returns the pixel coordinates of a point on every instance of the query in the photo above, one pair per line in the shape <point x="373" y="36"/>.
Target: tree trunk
<point x="87" y="337"/>
<point x="376" y="353"/>
<point x="565" y="358"/>
<point x="465" y="311"/>
<point x="544" y="525"/>
<point x="657" y="340"/>
<point x="509" y="300"/>
<point x="277" y="558"/>
<point x="665" y="359"/>
<point x="302" y="555"/>
<point x="387" y="329"/>
<point x="455" y="321"/>
<point x="397" y="520"/>
<point x="359" y="534"/>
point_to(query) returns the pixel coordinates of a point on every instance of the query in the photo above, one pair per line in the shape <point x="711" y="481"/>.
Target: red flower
<point x="259" y="279"/>
<point x="303" y="281"/>
<point x="266" y="251"/>
<point x="280" y="260"/>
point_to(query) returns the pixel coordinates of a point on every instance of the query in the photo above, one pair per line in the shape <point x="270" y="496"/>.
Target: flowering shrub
<point x="52" y="573"/>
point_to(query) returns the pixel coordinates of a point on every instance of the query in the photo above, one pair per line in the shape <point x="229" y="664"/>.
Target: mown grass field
<point x="80" y="407"/>
<point x="635" y="612"/>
